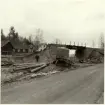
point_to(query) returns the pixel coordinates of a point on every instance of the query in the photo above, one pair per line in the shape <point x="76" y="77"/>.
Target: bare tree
<point x="39" y="38"/>
<point x="30" y="38"/>
<point x="40" y="35"/>
<point x="57" y="41"/>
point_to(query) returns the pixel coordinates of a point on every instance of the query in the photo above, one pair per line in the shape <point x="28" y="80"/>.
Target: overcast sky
<point x="69" y="20"/>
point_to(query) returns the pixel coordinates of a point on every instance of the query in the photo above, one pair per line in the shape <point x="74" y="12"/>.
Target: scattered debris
<point x="6" y="63"/>
<point x="26" y="67"/>
<point x="7" y="77"/>
<point x="43" y="74"/>
<point x="20" y="71"/>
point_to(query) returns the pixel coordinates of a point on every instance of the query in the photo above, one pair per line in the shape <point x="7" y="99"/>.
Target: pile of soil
<point x="96" y="57"/>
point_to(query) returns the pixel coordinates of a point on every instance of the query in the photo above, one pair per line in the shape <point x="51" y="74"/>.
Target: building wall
<point x="7" y="49"/>
<point x="21" y="50"/>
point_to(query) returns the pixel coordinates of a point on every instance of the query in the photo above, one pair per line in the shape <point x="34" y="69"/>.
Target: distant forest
<point x="14" y="37"/>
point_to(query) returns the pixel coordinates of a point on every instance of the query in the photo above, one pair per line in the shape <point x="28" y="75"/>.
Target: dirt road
<point x="81" y="86"/>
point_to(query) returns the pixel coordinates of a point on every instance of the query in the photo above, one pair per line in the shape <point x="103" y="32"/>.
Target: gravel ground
<point x="83" y="85"/>
<point x="17" y="78"/>
<point x="101" y="99"/>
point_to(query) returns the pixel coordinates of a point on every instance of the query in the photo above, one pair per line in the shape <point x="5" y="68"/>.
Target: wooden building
<point x="9" y="48"/>
<point x="20" y="48"/>
<point x="6" y="48"/>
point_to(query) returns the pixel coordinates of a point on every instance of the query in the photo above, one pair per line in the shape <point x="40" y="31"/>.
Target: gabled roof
<point x="3" y="43"/>
<point x="16" y="45"/>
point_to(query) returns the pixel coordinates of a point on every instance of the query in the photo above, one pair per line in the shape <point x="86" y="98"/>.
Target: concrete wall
<point x="84" y="53"/>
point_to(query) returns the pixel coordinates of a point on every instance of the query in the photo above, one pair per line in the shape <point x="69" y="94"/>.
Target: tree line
<point x="14" y="37"/>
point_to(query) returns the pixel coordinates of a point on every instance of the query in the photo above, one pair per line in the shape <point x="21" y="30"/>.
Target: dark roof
<point x="3" y="43"/>
<point x="20" y="47"/>
<point x="16" y="45"/>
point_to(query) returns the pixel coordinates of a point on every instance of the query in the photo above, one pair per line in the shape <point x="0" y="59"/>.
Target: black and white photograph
<point x="52" y="51"/>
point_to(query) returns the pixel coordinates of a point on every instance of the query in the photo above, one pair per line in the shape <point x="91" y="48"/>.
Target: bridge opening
<point x="80" y="54"/>
<point x="72" y="52"/>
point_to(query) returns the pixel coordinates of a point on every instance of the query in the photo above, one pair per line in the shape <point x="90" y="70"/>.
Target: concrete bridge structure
<point x="82" y="52"/>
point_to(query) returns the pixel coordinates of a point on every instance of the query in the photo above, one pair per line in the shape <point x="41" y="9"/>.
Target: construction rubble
<point x="96" y="57"/>
<point x="18" y="71"/>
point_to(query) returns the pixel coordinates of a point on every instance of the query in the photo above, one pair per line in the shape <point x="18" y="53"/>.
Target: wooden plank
<point x="38" y="68"/>
<point x="28" y="67"/>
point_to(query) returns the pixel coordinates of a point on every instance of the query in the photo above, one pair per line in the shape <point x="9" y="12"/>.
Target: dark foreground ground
<point x="81" y="86"/>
